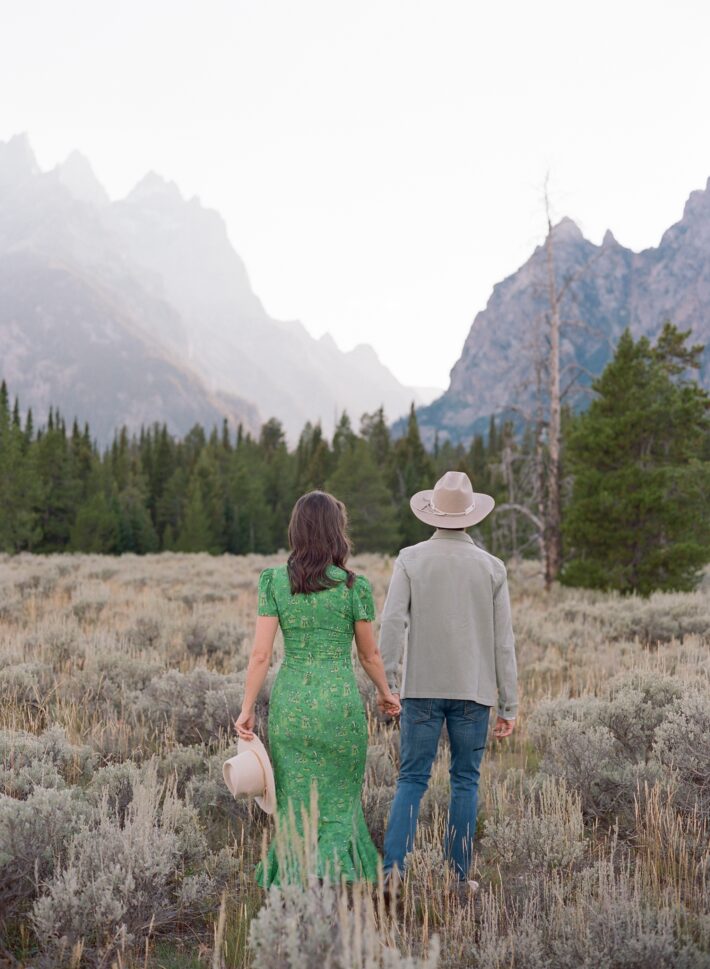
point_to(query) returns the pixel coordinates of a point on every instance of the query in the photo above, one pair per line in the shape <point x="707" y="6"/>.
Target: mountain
<point x="149" y="293"/>
<point x="229" y="336"/>
<point x="94" y="362"/>
<point x="74" y="314"/>
<point x="606" y="288"/>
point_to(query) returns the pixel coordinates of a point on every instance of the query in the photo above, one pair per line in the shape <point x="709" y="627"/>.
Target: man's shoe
<point x="465" y="889"/>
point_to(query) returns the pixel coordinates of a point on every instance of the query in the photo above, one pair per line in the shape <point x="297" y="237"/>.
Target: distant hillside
<point x="141" y="310"/>
<point x="609" y="287"/>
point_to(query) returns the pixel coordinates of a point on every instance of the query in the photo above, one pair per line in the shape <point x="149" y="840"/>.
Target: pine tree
<point x="19" y="527"/>
<point x="226" y="437"/>
<point x="637" y="518"/>
<point x="97" y="526"/>
<point x="411" y="470"/>
<point x="359" y="483"/>
<point x="343" y="437"/>
<point x="313" y="460"/>
<point x="195" y="533"/>
<point x="57" y="486"/>
<point x="135" y="528"/>
<point x="373" y="428"/>
<point x="274" y="467"/>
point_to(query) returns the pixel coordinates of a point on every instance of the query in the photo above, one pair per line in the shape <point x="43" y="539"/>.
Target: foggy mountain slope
<point x="232" y="340"/>
<point x="93" y="361"/>
<point x="613" y="287"/>
<point x="171" y="271"/>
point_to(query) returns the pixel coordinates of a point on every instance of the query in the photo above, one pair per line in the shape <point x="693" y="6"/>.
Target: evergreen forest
<point x="636" y="482"/>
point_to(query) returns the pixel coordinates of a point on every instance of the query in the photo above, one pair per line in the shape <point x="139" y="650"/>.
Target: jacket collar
<point x="450" y="535"/>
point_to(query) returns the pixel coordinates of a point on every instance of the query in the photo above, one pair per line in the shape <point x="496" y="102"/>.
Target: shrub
<point x="59" y="639"/>
<point x="33" y="839"/>
<point x="114" y="785"/>
<point x="26" y="685"/>
<point x="682" y="745"/>
<point x="603" y="921"/>
<point x="121" y="874"/>
<point x="603" y="747"/>
<point x="212" y="639"/>
<point x="376" y="803"/>
<point x="312" y="927"/>
<point x="197" y="705"/>
<point x="48" y="760"/>
<point x="548" y="835"/>
<point x="661" y="617"/>
<point x="381" y="767"/>
<point x="89" y="600"/>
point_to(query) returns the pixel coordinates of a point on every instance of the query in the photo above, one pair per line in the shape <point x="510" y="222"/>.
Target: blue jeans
<point x="421" y="723"/>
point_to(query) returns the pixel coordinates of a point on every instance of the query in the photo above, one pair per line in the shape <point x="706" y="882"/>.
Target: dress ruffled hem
<point x="352" y="860"/>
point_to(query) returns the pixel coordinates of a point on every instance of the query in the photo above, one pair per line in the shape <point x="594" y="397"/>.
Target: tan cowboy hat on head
<point x="452" y="503"/>
<point x="249" y="774"/>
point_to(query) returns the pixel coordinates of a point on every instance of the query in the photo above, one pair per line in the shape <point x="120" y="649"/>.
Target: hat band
<point x="263" y="772"/>
<point x="451" y="514"/>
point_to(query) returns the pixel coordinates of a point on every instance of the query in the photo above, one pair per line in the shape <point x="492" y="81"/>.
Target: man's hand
<point x="503" y="728"/>
<point x="389" y="704"/>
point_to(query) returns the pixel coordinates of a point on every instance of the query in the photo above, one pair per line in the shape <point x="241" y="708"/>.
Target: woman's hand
<point x="389" y="703"/>
<point x="244" y="724"/>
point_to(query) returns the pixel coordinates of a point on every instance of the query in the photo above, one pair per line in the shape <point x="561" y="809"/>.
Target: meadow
<point x="121" y="846"/>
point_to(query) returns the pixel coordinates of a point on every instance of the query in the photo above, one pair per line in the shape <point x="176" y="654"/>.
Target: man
<point x="448" y="611"/>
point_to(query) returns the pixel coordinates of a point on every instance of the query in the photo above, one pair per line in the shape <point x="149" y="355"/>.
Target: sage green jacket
<point x="448" y="613"/>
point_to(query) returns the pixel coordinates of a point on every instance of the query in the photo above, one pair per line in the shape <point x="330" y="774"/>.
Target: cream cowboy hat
<point x="452" y="503"/>
<point x="249" y="774"/>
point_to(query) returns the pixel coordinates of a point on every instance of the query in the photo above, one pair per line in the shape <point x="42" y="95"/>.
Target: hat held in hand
<point x="451" y="503"/>
<point x="249" y="774"/>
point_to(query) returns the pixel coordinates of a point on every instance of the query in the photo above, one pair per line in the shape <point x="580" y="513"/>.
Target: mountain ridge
<point x="169" y="264"/>
<point x="612" y="287"/>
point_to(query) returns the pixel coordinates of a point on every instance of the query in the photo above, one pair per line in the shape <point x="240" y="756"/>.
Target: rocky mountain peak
<point x="17" y="160"/>
<point x="693" y="230"/>
<point x="610" y="288"/>
<point x="77" y="176"/>
<point x="697" y="208"/>
<point x="154" y="186"/>
<point x="567" y="230"/>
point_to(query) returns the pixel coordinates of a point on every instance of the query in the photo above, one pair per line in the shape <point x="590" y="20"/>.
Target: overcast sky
<point x="379" y="163"/>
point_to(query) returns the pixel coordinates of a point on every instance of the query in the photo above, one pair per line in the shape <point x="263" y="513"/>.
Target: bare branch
<point x="522" y="510"/>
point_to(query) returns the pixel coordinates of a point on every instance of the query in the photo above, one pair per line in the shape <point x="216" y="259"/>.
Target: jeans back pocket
<point x="418" y="709"/>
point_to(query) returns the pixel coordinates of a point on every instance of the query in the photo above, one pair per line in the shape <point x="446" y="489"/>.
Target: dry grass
<point x="119" y="679"/>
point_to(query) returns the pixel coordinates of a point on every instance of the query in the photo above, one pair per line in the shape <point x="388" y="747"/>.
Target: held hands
<point x="388" y="703"/>
<point x="244" y="724"/>
<point x="503" y="728"/>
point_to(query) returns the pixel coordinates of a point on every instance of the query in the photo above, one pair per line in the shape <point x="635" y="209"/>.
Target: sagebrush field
<point x="120" y="845"/>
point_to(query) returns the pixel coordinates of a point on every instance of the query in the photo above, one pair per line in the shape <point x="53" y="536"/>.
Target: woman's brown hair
<point x="318" y="536"/>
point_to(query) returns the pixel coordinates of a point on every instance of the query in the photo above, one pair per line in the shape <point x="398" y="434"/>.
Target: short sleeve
<point x="363" y="603"/>
<point x="267" y="600"/>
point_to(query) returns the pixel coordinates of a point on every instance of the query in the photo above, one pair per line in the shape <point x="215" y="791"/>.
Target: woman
<point x="317" y="725"/>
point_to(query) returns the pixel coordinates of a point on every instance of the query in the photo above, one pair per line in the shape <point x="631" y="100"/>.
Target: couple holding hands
<point x="447" y="616"/>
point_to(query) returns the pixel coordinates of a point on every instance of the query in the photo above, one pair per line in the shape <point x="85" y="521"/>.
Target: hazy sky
<point x="379" y="163"/>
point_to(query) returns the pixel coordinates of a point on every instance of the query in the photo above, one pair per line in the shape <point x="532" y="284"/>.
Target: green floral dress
<point x="317" y="725"/>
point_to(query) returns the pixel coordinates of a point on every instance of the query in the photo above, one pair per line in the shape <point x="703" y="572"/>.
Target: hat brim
<point x="267" y="801"/>
<point x="420" y="504"/>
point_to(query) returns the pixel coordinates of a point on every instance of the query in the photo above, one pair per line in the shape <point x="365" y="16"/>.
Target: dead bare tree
<point x="546" y="418"/>
<point x="553" y="504"/>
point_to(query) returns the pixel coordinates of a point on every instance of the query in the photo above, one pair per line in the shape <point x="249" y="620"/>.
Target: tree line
<point x="634" y="483"/>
